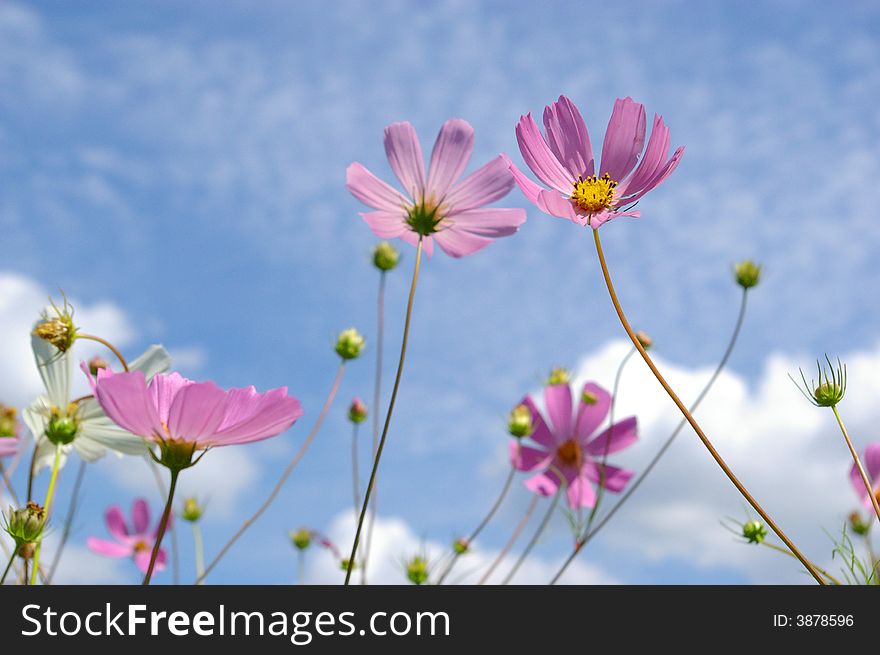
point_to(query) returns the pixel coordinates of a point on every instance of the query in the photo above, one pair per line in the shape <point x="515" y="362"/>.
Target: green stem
<point x="200" y="551"/>
<point x="163" y="525"/>
<point x="8" y="566"/>
<point x="378" y="457"/>
<point x="68" y="521"/>
<point x="693" y="422"/>
<point x="50" y="493"/>
<point x="858" y="461"/>
<point x="107" y="344"/>
<point x="534" y="540"/>
<point x="513" y="537"/>
<point x="355" y="478"/>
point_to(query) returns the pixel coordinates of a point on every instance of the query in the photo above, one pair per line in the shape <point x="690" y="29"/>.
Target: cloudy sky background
<point x="179" y="171"/>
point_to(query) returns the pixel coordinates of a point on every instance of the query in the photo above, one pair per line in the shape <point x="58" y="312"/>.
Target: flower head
<point x="460" y="546"/>
<point x="25" y="525"/>
<point x="301" y="539"/>
<point x="435" y="205"/>
<point x="385" y="257"/>
<point x="57" y="327"/>
<point x="568" y="451"/>
<point x="871" y="461"/>
<point x="519" y="423"/>
<point x="183" y="417"/>
<point x="831" y="385"/>
<point x="558" y="375"/>
<point x="135" y="540"/>
<point x="644" y="340"/>
<point x="857" y="524"/>
<point x="417" y="570"/>
<point x="562" y="159"/>
<point x="192" y="511"/>
<point x="357" y="411"/>
<point x="754" y="531"/>
<point x="747" y="273"/>
<point x="9" y="441"/>
<point x="349" y="344"/>
<point x="96" y="363"/>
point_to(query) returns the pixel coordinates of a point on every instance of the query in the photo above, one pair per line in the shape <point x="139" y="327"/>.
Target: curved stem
<point x="785" y="551"/>
<point x="355" y="478"/>
<point x="163" y="525"/>
<point x="409" y="306"/>
<point x="68" y="521"/>
<point x="50" y="494"/>
<point x="290" y="467"/>
<point x="481" y="526"/>
<point x="6" y="570"/>
<point x="377" y="399"/>
<point x="200" y="551"/>
<point x="534" y="540"/>
<point x="175" y="556"/>
<point x="871" y="494"/>
<point x="7" y="484"/>
<point x="513" y="537"/>
<point x="110" y="346"/>
<point x="696" y="426"/>
<point x="635" y="484"/>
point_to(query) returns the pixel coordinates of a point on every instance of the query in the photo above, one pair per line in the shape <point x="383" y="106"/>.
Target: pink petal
<point x="482" y="187"/>
<point x="251" y="416"/>
<point x="196" y="412"/>
<point x="108" y="548"/>
<point x="653" y="159"/>
<point x="557" y="398"/>
<point x="542" y="484"/>
<point x="580" y="493"/>
<point x="530" y="189"/>
<point x="540" y="432"/>
<point x="624" y="139"/>
<point x="590" y="417"/>
<point x="405" y="156"/>
<point x="600" y="219"/>
<point x="140" y="513"/>
<point x="872" y="461"/>
<point x="412" y="239"/>
<point x="552" y="203"/>
<point x="124" y="397"/>
<point x="615" y="478"/>
<point x="659" y="178"/>
<point x="492" y="222"/>
<point x="163" y="389"/>
<point x="115" y="520"/>
<point x="451" y="153"/>
<point x="524" y="458"/>
<point x="458" y="243"/>
<point x="142" y="560"/>
<point x="372" y="191"/>
<point x="386" y="224"/>
<point x="540" y="158"/>
<point x="619" y="436"/>
<point x="568" y="138"/>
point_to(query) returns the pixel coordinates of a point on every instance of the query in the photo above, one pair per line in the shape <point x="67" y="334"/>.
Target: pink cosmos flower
<point x="871" y="462"/>
<point x="568" y="448"/>
<point x="436" y="206"/>
<point x="8" y="446"/>
<point x="136" y="542"/>
<point x="563" y="160"/>
<point x="172" y="409"/>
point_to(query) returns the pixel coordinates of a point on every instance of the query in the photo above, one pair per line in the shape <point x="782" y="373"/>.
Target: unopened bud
<point x="385" y="256"/>
<point x="301" y="538"/>
<point x="417" y="570"/>
<point x="8" y="423"/>
<point x="191" y="511"/>
<point x="558" y="376"/>
<point x="97" y="363"/>
<point x="62" y="426"/>
<point x="460" y="546"/>
<point x="859" y="525"/>
<point x="519" y="423"/>
<point x="26" y="525"/>
<point x="349" y="344"/>
<point x="754" y="531"/>
<point x="589" y="398"/>
<point x="643" y="338"/>
<point x="357" y="411"/>
<point x="346" y="564"/>
<point x="747" y="274"/>
<point x="828" y="394"/>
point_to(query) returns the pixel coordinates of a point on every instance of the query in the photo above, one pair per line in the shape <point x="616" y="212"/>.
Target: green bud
<point x="645" y="341"/>
<point x="301" y="538"/>
<point x="385" y="256"/>
<point x="754" y="531"/>
<point x="349" y="344"/>
<point x="97" y="363"/>
<point x="25" y="526"/>
<point x="830" y="387"/>
<point x="176" y="455"/>
<point x="828" y="394"/>
<point x="460" y="546"/>
<point x="345" y="564"/>
<point x="519" y="423"/>
<point x="747" y="274"/>
<point x="417" y="570"/>
<point x="63" y="426"/>
<point x="191" y="511"/>
<point x="8" y="423"/>
<point x="558" y="376"/>
<point x="357" y="411"/>
<point x="858" y="525"/>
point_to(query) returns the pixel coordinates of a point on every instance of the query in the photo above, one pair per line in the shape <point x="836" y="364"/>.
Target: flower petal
<point x="540" y="158"/>
<point x="591" y="415"/>
<point x="251" y="416"/>
<point x="485" y="185"/>
<point x="489" y="222"/>
<point x="196" y="412"/>
<point x="580" y="493"/>
<point x="115" y="520"/>
<point x="124" y="397"/>
<point x="615" y="478"/>
<point x="451" y="153"/>
<point x="372" y="191"/>
<point x="653" y="159"/>
<point x="543" y="484"/>
<point x="619" y="436"/>
<point x="142" y="560"/>
<point x="459" y="243"/>
<point x="557" y="398"/>
<point x="55" y="370"/>
<point x="598" y="220"/>
<point x="658" y="179"/>
<point x="541" y="434"/>
<point x="386" y="224"/>
<point x="163" y="390"/>
<point x="152" y="361"/>
<point x="405" y="156"/>
<point x="624" y="139"/>
<point x="140" y="516"/>
<point x="872" y="462"/>
<point x="108" y="548"/>
<point x="524" y="458"/>
<point x="568" y="138"/>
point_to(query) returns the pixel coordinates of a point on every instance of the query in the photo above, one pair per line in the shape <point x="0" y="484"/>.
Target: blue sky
<point x="186" y="164"/>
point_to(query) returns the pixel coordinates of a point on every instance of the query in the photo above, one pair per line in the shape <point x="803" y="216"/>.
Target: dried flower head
<point x="57" y="327"/>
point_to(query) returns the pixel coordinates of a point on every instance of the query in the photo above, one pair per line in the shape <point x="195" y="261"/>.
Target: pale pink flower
<point x="568" y="451"/>
<point x="871" y="461"/>
<point x="8" y="446"/>
<point x="435" y="205"/>
<point x="135" y="541"/>
<point x="563" y="160"/>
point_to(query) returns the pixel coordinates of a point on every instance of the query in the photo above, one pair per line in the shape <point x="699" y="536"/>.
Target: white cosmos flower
<point x="95" y="433"/>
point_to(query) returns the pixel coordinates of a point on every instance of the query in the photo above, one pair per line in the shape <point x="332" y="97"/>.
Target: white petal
<point x="101" y="432"/>
<point x="155" y="359"/>
<point x="45" y="455"/>
<point x="55" y="370"/>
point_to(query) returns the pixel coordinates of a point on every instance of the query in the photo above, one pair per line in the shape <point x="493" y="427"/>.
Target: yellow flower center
<point x="570" y="453"/>
<point x="141" y="546"/>
<point x="593" y="194"/>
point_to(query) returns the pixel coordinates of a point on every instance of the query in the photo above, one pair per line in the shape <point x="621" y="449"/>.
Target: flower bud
<point x="349" y="344"/>
<point x="97" y="363"/>
<point x="345" y="564"/>
<point x="747" y="273"/>
<point x="460" y="546"/>
<point x="558" y="376"/>
<point x="385" y="256"/>
<point x="859" y="525"/>
<point x="25" y="526"/>
<point x="643" y="338"/>
<point x="8" y="424"/>
<point x="830" y="387"/>
<point x="417" y="570"/>
<point x="62" y="426"/>
<point x="589" y="398"/>
<point x="754" y="531"/>
<point x="828" y="394"/>
<point x="357" y="411"/>
<point x="301" y="538"/>
<point x="191" y="511"/>
<point x="519" y="423"/>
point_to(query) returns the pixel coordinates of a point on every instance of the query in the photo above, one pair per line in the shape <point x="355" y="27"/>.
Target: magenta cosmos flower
<point x="562" y="159"/>
<point x="872" y="468"/>
<point x="436" y="206"/>
<point x="185" y="416"/>
<point x="569" y="450"/>
<point x="9" y="441"/>
<point x="8" y="446"/>
<point x="136" y="541"/>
